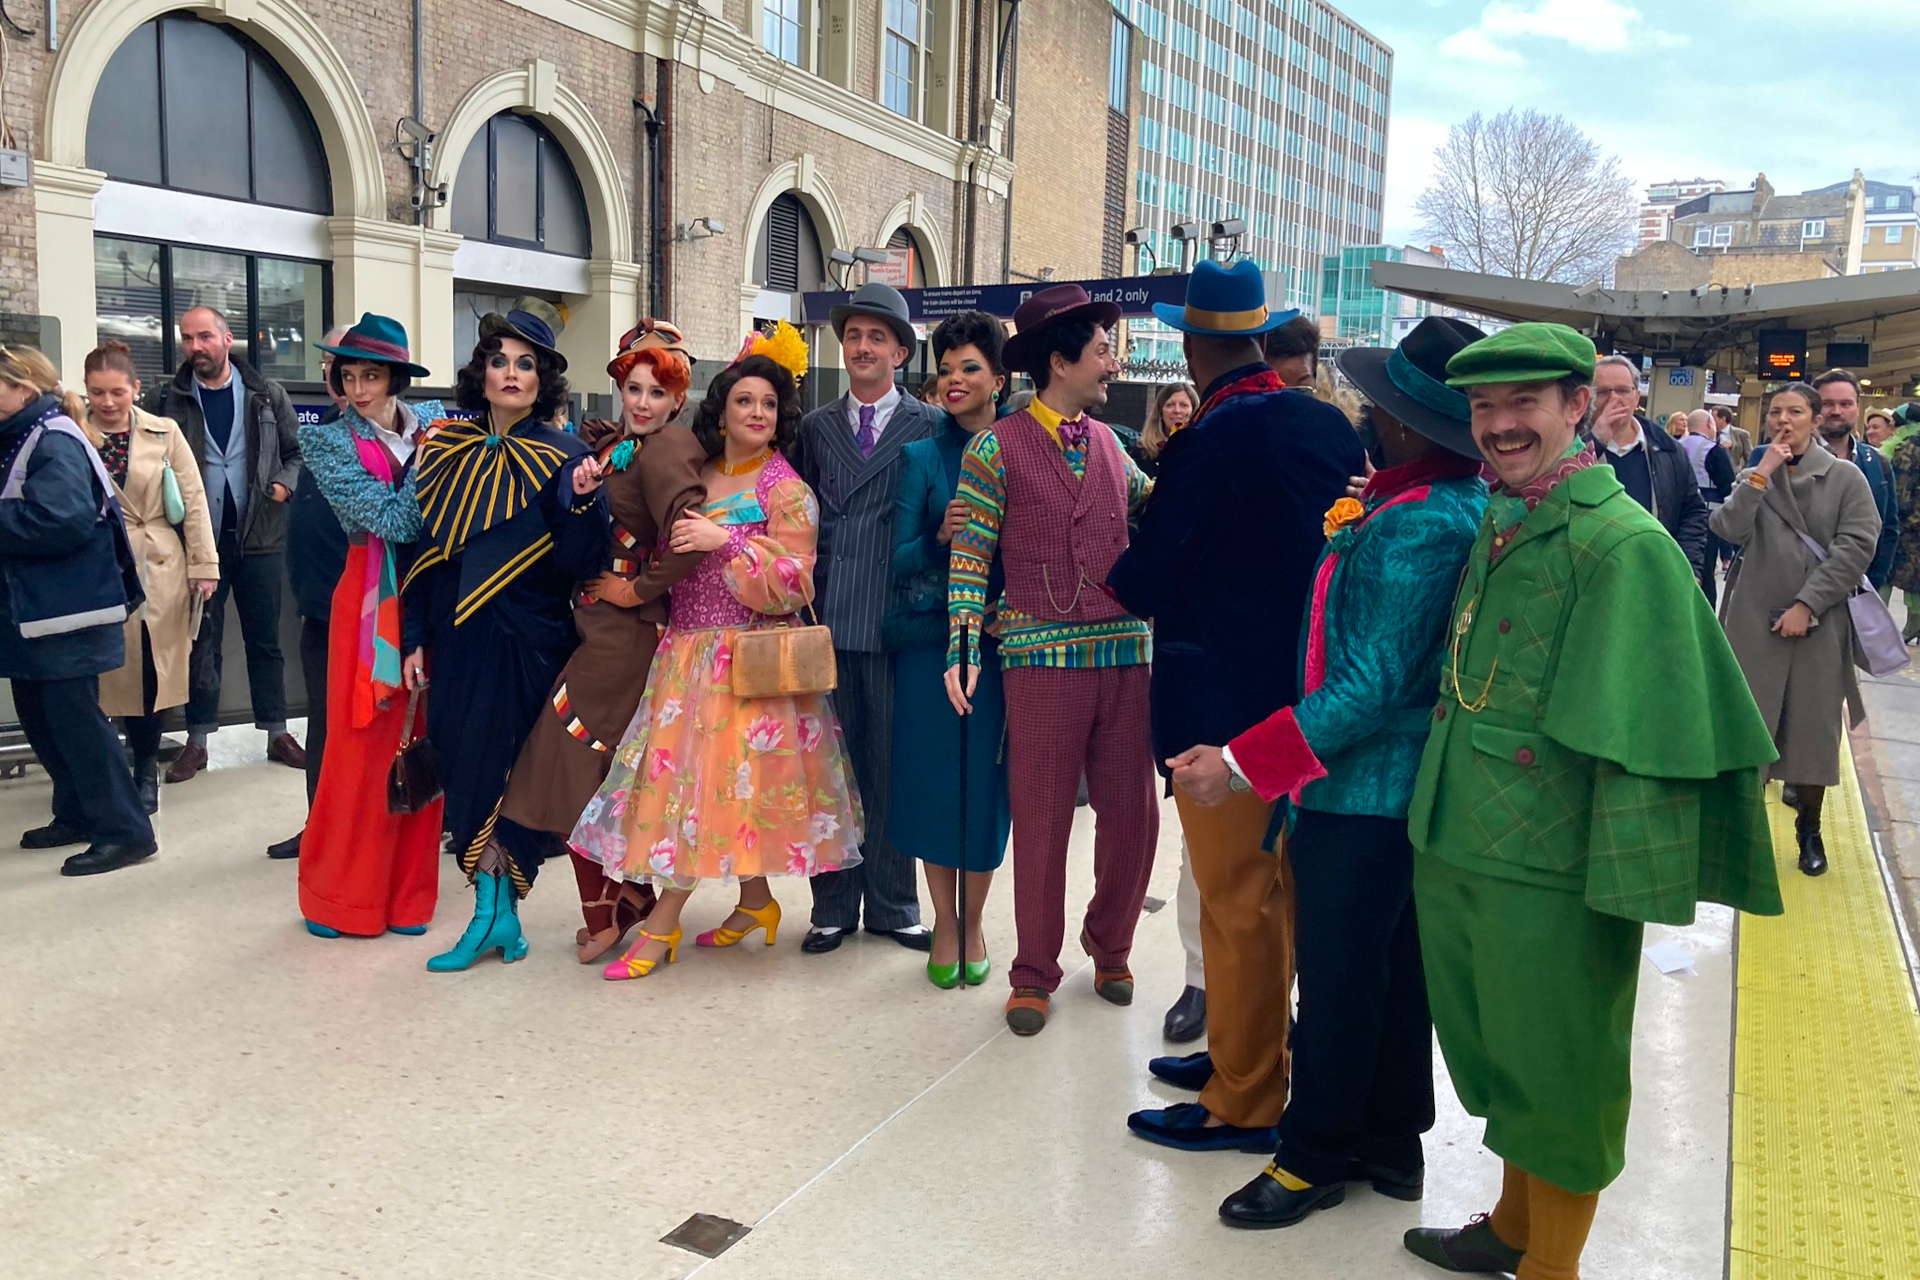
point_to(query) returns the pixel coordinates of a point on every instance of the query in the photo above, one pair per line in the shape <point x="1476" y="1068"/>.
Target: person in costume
<point x="512" y="519"/>
<point x="706" y="785"/>
<point x="1048" y="490"/>
<point x="1786" y="608"/>
<point x="1340" y="763"/>
<point x="849" y="453"/>
<point x="1222" y="566"/>
<point x="927" y="768"/>
<point x="156" y="482"/>
<point x="652" y="478"/>
<point x="363" y="870"/>
<point x="1550" y="825"/>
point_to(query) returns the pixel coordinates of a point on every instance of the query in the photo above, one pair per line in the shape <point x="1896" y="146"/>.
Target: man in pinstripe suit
<point x="849" y="452"/>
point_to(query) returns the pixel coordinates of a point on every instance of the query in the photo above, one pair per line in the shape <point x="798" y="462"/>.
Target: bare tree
<point x="1528" y="195"/>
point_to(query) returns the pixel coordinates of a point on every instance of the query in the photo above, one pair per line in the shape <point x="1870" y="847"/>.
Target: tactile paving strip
<point x="1826" y="1107"/>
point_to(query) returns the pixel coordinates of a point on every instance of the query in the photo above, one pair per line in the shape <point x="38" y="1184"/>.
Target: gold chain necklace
<point x="746" y="468"/>
<point x="1460" y="629"/>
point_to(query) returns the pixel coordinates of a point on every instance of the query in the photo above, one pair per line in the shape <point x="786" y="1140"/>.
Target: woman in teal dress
<point x="926" y="729"/>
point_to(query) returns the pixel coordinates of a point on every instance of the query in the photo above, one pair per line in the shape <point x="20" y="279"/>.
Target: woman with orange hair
<point x="652" y="469"/>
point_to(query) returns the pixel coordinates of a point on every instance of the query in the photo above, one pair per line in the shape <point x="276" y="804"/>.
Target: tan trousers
<point x="1246" y="932"/>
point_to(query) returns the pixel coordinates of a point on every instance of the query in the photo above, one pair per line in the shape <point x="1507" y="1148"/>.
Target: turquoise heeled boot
<point x="495" y="923"/>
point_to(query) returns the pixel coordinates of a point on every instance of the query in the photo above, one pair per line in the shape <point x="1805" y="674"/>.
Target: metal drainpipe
<point x="656" y="294"/>
<point x="1010" y="53"/>
<point x="419" y="112"/>
<point x="53" y="26"/>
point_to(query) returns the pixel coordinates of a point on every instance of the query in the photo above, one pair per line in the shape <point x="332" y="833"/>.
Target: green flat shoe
<point x="977" y="971"/>
<point x="944" y="976"/>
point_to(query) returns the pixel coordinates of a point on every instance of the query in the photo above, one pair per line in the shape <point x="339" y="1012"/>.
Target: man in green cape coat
<point x="1593" y="765"/>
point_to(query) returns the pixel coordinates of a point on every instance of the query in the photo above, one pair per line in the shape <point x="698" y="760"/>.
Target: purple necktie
<point x="864" y="436"/>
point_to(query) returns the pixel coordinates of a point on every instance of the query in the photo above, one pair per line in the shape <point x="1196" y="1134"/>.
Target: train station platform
<point x="196" y="1087"/>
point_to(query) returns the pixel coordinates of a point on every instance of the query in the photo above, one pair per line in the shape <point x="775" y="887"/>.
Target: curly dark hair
<point x="470" y="385"/>
<point x="707" y="425"/>
<point x="975" y="328"/>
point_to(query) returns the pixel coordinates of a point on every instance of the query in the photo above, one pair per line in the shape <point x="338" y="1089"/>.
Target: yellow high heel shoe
<point x="631" y="966"/>
<point x="767" y="917"/>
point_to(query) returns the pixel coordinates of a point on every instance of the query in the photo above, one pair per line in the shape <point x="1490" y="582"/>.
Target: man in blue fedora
<point x="1223" y="565"/>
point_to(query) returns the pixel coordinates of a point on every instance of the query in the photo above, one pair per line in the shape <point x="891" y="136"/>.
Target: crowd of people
<point x="1392" y="666"/>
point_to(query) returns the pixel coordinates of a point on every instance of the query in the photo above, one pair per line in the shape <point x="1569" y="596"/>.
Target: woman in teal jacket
<point x="926" y="728"/>
<point x="1346" y="756"/>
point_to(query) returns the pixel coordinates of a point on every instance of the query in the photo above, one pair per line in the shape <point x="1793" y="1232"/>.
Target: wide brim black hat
<point x="1409" y="381"/>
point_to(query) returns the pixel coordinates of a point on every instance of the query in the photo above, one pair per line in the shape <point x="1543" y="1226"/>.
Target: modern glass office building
<point x="1354" y="313"/>
<point x="1270" y="111"/>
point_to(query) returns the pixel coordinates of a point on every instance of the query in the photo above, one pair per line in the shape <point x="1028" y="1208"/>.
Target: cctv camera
<point x="416" y="130"/>
<point x="716" y="226"/>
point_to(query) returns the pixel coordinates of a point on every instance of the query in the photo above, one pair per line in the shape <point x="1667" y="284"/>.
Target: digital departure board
<point x="1783" y="355"/>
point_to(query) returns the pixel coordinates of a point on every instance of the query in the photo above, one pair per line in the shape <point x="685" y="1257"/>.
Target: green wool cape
<point x="1618" y="750"/>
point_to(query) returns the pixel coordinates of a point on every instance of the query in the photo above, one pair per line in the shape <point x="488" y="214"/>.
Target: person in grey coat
<point x="1785" y="609"/>
<point x="849" y="453"/>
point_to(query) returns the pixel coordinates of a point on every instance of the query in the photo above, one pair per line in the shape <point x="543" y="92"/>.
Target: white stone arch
<point x="535" y="89"/>
<point x="294" y="41"/>
<point x="913" y="214"/>
<point x="802" y="178"/>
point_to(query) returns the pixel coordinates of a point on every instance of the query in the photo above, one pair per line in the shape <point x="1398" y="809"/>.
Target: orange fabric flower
<point x="1341" y="514"/>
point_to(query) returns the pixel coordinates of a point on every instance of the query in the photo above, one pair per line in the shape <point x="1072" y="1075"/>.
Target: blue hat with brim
<point x="1224" y="302"/>
<point x="379" y="339"/>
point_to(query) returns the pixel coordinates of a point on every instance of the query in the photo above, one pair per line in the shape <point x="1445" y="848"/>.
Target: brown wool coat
<point x="1800" y="685"/>
<point x="165" y="564"/>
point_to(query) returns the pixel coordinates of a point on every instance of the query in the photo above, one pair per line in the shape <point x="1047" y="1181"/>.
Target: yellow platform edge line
<point x="1827" y="1044"/>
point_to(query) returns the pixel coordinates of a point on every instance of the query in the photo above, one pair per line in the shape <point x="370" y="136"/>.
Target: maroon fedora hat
<point x="1057" y="305"/>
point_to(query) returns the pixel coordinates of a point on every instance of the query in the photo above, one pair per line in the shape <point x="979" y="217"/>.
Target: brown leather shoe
<point x="287" y="750"/>
<point x="191" y="760"/>
<point x="1115" y="986"/>
<point x="1027" y="1011"/>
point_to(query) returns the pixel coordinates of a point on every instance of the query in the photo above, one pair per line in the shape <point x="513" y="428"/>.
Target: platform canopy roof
<point x="1709" y="326"/>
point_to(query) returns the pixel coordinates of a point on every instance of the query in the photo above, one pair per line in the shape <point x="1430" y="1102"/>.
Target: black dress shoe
<point x="98" y="858"/>
<point x="288" y="848"/>
<point x="820" y="941"/>
<point x="51" y="836"/>
<point x="1191" y="1072"/>
<point x="1187" y="1019"/>
<point x="1472" y="1249"/>
<point x="1264" y="1203"/>
<point x="1401" y="1184"/>
<point x="1813" y="852"/>
<point x="914" y="938"/>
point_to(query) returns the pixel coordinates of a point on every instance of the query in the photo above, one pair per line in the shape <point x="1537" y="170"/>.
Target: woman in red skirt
<point x="363" y="870"/>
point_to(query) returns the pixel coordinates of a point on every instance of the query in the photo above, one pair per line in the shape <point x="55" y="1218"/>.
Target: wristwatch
<point x="1237" y="783"/>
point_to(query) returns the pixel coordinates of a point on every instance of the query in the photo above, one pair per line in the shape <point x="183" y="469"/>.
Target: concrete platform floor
<point x="194" y="1087"/>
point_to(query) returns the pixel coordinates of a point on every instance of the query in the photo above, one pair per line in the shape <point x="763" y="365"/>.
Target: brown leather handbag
<point x="783" y="661"/>
<point x="413" y="780"/>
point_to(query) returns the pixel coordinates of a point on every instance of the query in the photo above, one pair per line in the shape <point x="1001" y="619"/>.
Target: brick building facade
<point x="554" y="123"/>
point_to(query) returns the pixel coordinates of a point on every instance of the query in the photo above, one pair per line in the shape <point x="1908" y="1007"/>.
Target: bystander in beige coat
<point x="165" y="564"/>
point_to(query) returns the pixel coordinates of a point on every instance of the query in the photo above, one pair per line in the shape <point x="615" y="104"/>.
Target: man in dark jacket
<point x="1646" y="460"/>
<point x="244" y="433"/>
<point x="316" y="557"/>
<point x="1839" y="418"/>
<point x="1223" y="567"/>
<point x="66" y="582"/>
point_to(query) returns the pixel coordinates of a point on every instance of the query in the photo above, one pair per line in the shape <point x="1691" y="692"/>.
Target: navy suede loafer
<point x="1191" y="1071"/>
<point x="1183" y="1127"/>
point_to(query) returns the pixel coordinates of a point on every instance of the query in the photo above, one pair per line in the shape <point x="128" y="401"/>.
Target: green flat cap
<point x="1529" y="352"/>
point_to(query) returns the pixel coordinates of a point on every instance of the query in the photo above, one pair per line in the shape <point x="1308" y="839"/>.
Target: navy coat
<point x="1224" y="559"/>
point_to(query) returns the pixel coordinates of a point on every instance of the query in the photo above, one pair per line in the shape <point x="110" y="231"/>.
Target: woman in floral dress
<point x="705" y="785"/>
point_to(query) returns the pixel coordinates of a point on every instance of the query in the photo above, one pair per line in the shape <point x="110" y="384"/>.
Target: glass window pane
<point x="126" y="286"/>
<point x="289" y="165"/>
<point x="204" y="78"/>
<point x="470" y="190"/>
<point x="566" y="207"/>
<point x="516" y="177"/>
<point x="204" y="278"/>
<point x="123" y="128"/>
<point x="292" y="318"/>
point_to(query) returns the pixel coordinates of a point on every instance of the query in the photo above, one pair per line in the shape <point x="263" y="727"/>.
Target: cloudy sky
<point x="1805" y="93"/>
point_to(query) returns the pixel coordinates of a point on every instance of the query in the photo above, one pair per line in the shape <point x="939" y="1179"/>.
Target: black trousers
<point x="885" y="877"/>
<point x="75" y="742"/>
<point x="254" y="583"/>
<point x="313" y="669"/>
<point x="1363" y="1044"/>
<point x="143" y="731"/>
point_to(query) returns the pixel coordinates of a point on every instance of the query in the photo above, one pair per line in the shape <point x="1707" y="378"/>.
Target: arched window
<point x="908" y="268"/>
<point x="196" y="106"/>
<point x="787" y="257"/>
<point x="517" y="187"/>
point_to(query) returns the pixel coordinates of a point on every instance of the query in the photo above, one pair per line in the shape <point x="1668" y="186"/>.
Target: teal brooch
<point x="623" y="453"/>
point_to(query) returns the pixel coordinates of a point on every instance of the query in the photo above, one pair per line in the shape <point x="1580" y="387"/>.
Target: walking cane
<point x="960" y="875"/>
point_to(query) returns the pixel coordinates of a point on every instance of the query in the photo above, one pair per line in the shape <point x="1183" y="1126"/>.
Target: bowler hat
<point x="534" y="321"/>
<point x="380" y="339"/>
<point x="1048" y="309"/>
<point x="1409" y="381"/>
<point x="1224" y="302"/>
<point x="881" y="301"/>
